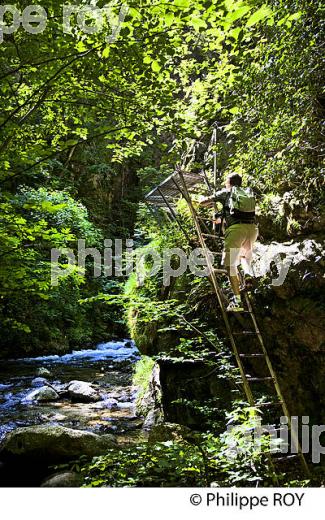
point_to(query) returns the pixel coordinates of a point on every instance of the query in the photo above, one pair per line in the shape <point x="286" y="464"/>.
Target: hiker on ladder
<point x="240" y="234"/>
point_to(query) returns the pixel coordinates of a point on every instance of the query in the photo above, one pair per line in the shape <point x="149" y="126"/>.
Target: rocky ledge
<point x="53" y="444"/>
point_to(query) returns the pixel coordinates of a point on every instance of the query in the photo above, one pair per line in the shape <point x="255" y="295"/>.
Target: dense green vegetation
<point x="87" y="127"/>
<point x="80" y="116"/>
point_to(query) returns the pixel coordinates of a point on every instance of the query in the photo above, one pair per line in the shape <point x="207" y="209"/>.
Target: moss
<point x="142" y="377"/>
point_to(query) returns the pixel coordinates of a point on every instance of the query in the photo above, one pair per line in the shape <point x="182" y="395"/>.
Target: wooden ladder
<point x="260" y="351"/>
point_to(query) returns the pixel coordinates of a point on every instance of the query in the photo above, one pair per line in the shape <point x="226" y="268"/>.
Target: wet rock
<point x="58" y="417"/>
<point x="61" y="388"/>
<point x="42" y="371"/>
<point x="83" y="392"/>
<point x="186" y="380"/>
<point x="53" y="444"/>
<point x="169" y="432"/>
<point x="123" y="406"/>
<point x="131" y="425"/>
<point x="150" y="405"/>
<point x="109" y="403"/>
<point x="5" y="387"/>
<point x="63" y="479"/>
<point x="153" y="417"/>
<point x="132" y="418"/>
<point x="123" y="394"/>
<point x="45" y="393"/>
<point x="38" y="381"/>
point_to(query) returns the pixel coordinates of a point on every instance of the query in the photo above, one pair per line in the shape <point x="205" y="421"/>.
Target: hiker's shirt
<point x="238" y="217"/>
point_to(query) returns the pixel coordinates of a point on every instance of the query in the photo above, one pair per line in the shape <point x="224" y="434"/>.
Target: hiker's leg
<point x="247" y="249"/>
<point x="235" y="284"/>
<point x="235" y="303"/>
<point x="246" y="263"/>
<point x="233" y="240"/>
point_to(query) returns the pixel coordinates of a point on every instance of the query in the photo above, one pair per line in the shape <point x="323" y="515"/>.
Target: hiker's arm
<point x="207" y="201"/>
<point x="219" y="196"/>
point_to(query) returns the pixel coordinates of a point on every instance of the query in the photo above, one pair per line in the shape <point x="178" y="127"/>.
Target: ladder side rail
<point x="285" y="409"/>
<point x="218" y="292"/>
<point x="181" y="192"/>
<point x="173" y="213"/>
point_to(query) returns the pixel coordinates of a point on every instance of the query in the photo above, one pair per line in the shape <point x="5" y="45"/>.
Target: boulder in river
<point x="5" y="387"/>
<point x="38" y="381"/>
<point x="125" y="406"/>
<point x="83" y="392"/>
<point x="109" y="403"/>
<point x="58" y="417"/>
<point x="53" y="444"/>
<point x="63" y="479"/>
<point x="42" y="371"/>
<point x="45" y="393"/>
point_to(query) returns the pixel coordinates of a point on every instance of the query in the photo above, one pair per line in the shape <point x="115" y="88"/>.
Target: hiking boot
<point x="235" y="305"/>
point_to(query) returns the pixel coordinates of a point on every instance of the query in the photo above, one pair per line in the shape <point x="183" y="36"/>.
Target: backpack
<point x="241" y="199"/>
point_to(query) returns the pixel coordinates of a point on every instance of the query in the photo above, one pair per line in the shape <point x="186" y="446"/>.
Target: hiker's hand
<point x="206" y="202"/>
<point x="217" y="220"/>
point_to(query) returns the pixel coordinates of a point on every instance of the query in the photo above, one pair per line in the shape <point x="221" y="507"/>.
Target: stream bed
<point x="108" y="368"/>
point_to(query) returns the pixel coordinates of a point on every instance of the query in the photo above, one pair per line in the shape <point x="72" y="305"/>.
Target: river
<point x="108" y="368"/>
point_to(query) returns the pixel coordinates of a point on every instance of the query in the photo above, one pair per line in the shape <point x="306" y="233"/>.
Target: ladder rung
<point x="220" y="271"/>
<point x="274" y="427"/>
<point x="208" y="235"/>
<point x="255" y="379"/>
<point x="288" y="457"/>
<point x="263" y="405"/>
<point x="245" y="333"/>
<point x="192" y="174"/>
<point x="278" y="428"/>
<point x="251" y="355"/>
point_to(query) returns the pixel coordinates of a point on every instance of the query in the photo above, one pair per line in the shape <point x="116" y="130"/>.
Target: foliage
<point x="163" y="464"/>
<point x="59" y="210"/>
<point x="31" y="224"/>
<point x="84" y="120"/>
<point x="232" y="459"/>
<point x="82" y="113"/>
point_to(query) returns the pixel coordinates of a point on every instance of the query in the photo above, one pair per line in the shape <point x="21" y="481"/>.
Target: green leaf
<point x="229" y="4"/>
<point x="259" y="15"/>
<point x="155" y="65"/>
<point x="295" y="16"/>
<point x="235" y="33"/>
<point x="196" y="23"/>
<point x="234" y="110"/>
<point x="105" y="52"/>
<point x="81" y="47"/>
<point x="182" y="3"/>
<point x="169" y="18"/>
<point x="51" y="208"/>
<point x="134" y="13"/>
<point x="239" y="13"/>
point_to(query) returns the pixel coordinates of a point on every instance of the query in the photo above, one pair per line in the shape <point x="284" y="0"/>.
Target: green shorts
<point x="239" y="242"/>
